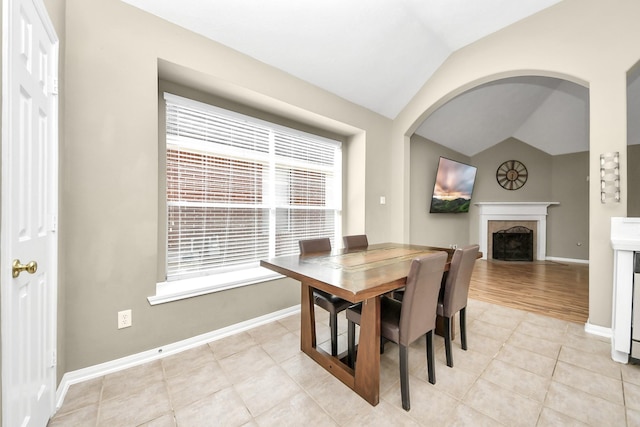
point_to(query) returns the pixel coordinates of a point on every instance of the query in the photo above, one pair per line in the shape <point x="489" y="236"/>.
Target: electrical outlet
<point x="124" y="319"/>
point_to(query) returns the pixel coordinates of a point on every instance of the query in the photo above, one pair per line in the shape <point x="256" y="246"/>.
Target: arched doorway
<point x="542" y="122"/>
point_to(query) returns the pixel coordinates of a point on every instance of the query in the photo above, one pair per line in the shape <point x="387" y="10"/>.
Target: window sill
<point x="188" y="288"/>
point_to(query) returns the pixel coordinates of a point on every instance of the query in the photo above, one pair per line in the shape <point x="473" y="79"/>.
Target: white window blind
<point x="240" y="189"/>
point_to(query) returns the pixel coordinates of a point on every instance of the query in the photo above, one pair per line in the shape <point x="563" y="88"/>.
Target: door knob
<point x="18" y="268"/>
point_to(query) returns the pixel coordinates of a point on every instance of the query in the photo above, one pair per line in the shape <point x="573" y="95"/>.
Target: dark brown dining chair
<point x="454" y="295"/>
<point x="325" y="300"/>
<point x="355" y="241"/>
<point x="406" y="321"/>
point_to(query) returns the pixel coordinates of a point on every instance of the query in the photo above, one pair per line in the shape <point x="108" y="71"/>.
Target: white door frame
<point x="28" y="18"/>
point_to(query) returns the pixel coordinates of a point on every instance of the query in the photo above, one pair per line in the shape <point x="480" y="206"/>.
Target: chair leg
<point x="351" y="338"/>
<point x="463" y="327"/>
<point x="333" y="325"/>
<point x="447" y="341"/>
<point x="430" y="360"/>
<point x="404" y="377"/>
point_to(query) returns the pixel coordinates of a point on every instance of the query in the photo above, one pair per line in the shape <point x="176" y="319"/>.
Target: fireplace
<point x="513" y="244"/>
<point x="532" y="215"/>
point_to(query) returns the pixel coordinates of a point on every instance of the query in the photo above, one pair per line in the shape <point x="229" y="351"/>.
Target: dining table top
<point x="356" y="274"/>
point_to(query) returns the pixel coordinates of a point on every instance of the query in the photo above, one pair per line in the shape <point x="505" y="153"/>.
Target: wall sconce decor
<point x="610" y="177"/>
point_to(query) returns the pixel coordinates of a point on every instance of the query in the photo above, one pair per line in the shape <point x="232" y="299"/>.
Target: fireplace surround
<point x="515" y="212"/>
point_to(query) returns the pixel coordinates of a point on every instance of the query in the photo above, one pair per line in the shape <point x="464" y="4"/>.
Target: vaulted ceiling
<point x="379" y="53"/>
<point x="549" y="114"/>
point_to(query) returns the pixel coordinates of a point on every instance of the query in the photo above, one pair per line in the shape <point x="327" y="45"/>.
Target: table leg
<point x="366" y="379"/>
<point x="307" y="319"/>
<point x="367" y="371"/>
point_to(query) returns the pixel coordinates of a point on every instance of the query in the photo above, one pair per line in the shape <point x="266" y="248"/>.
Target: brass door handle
<point x="18" y="268"/>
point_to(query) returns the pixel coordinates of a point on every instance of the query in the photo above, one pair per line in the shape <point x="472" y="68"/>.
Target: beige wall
<point x="633" y="177"/>
<point x="427" y="228"/>
<point x="538" y="164"/>
<point x="570" y="40"/>
<point x="109" y="154"/>
<point x="568" y="223"/>
<point x="109" y="187"/>
<point x="560" y="179"/>
<point x="536" y="189"/>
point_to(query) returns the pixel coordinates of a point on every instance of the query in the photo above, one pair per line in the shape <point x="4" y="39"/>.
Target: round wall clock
<point x="511" y="175"/>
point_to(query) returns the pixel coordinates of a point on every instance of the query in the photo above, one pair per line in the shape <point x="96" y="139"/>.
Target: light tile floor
<point x="521" y="369"/>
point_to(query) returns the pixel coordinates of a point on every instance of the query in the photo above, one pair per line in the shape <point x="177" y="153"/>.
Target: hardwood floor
<point x="559" y="290"/>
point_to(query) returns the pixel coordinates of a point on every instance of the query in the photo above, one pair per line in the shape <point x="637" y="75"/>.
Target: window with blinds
<point x="240" y="189"/>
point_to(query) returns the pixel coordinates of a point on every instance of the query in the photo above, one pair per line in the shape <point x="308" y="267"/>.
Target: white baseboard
<point x="601" y="331"/>
<point x="116" y="365"/>
<point x="571" y="260"/>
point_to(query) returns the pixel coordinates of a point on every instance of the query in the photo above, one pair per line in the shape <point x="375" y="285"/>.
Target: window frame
<point x="172" y="290"/>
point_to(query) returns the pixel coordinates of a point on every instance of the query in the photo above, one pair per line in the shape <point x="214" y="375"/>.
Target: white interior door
<point x="29" y="211"/>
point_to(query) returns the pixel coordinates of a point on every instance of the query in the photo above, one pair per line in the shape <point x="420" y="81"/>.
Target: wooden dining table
<point x="358" y="275"/>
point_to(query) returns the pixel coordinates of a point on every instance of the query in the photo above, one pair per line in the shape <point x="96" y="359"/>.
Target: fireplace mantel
<point x="514" y="211"/>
